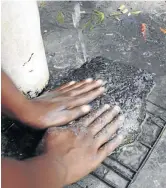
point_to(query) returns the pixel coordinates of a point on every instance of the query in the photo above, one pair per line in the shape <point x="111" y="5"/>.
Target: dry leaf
<point x="60" y="18"/>
<point x="136" y="12"/>
<point x="116" y="14"/>
<point x="125" y="11"/>
<point x="121" y="7"/>
<point x="163" y="30"/>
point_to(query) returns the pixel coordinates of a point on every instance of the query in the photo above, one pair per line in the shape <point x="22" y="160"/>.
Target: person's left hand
<point x="64" y="104"/>
<point x="70" y="153"/>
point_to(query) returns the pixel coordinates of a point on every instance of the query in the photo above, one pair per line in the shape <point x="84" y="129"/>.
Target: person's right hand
<point x="73" y="152"/>
<point x="62" y="105"/>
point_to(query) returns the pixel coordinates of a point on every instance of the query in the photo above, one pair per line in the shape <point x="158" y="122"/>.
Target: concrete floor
<point x="119" y="41"/>
<point x="67" y="49"/>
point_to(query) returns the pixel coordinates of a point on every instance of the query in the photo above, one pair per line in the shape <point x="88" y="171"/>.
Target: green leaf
<point x="122" y="7"/>
<point x="136" y="12"/>
<point x="60" y="18"/>
<point x="91" y="28"/>
<point x="100" y="16"/>
<point x="116" y="14"/>
<point x="96" y="18"/>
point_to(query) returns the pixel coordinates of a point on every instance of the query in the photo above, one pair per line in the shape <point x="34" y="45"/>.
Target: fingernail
<point x="85" y="108"/>
<point x="106" y="106"/>
<point x="89" y="80"/>
<point x="117" y="108"/>
<point x="120" y="138"/>
<point x="102" y="89"/>
<point x="117" y="139"/>
<point x="100" y="82"/>
<point x="72" y="82"/>
<point x="121" y="118"/>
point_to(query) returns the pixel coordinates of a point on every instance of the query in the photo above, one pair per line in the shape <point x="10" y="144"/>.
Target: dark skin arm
<point x="54" y="108"/>
<point x="67" y="156"/>
<point x="14" y="104"/>
<point x="18" y="174"/>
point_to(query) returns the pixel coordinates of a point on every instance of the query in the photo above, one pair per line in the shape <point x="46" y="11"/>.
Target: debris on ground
<point x="122" y="7"/>
<point x="123" y="10"/>
<point x="143" y="30"/>
<point x="60" y="17"/>
<point x="100" y="16"/>
<point x="116" y="14"/>
<point x="136" y="12"/>
<point x="132" y="13"/>
<point x="97" y="17"/>
<point x="163" y="30"/>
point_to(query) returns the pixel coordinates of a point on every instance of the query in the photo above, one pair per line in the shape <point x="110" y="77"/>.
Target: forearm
<point x="14" y="103"/>
<point x="32" y="173"/>
<point x="14" y="174"/>
<point x="46" y="172"/>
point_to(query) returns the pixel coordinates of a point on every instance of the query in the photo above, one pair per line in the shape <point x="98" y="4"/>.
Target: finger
<point x="65" y="86"/>
<point x="84" y="88"/>
<point x="85" y="98"/>
<point x="63" y="117"/>
<point x="41" y="97"/>
<point x="88" y="119"/>
<point x="103" y="120"/>
<point x="106" y="133"/>
<point x="109" y="147"/>
<point x="76" y="85"/>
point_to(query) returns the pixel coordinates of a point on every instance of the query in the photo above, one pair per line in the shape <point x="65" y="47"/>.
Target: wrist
<point x="46" y="172"/>
<point x="24" y="112"/>
<point x="18" y="109"/>
<point x="30" y="114"/>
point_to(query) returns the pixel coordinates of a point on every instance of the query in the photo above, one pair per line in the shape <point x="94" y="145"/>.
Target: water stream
<point x="80" y="44"/>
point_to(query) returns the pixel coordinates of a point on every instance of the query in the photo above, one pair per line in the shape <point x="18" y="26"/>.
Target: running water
<point x="76" y="16"/>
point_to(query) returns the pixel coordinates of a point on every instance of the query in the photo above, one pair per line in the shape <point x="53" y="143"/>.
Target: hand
<point x="79" y="149"/>
<point x="64" y="104"/>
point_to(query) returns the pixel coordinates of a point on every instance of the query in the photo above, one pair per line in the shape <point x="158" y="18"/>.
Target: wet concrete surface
<point x="153" y="173"/>
<point x="119" y="41"/>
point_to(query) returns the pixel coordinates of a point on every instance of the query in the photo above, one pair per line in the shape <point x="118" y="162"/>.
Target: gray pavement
<point x="118" y="41"/>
